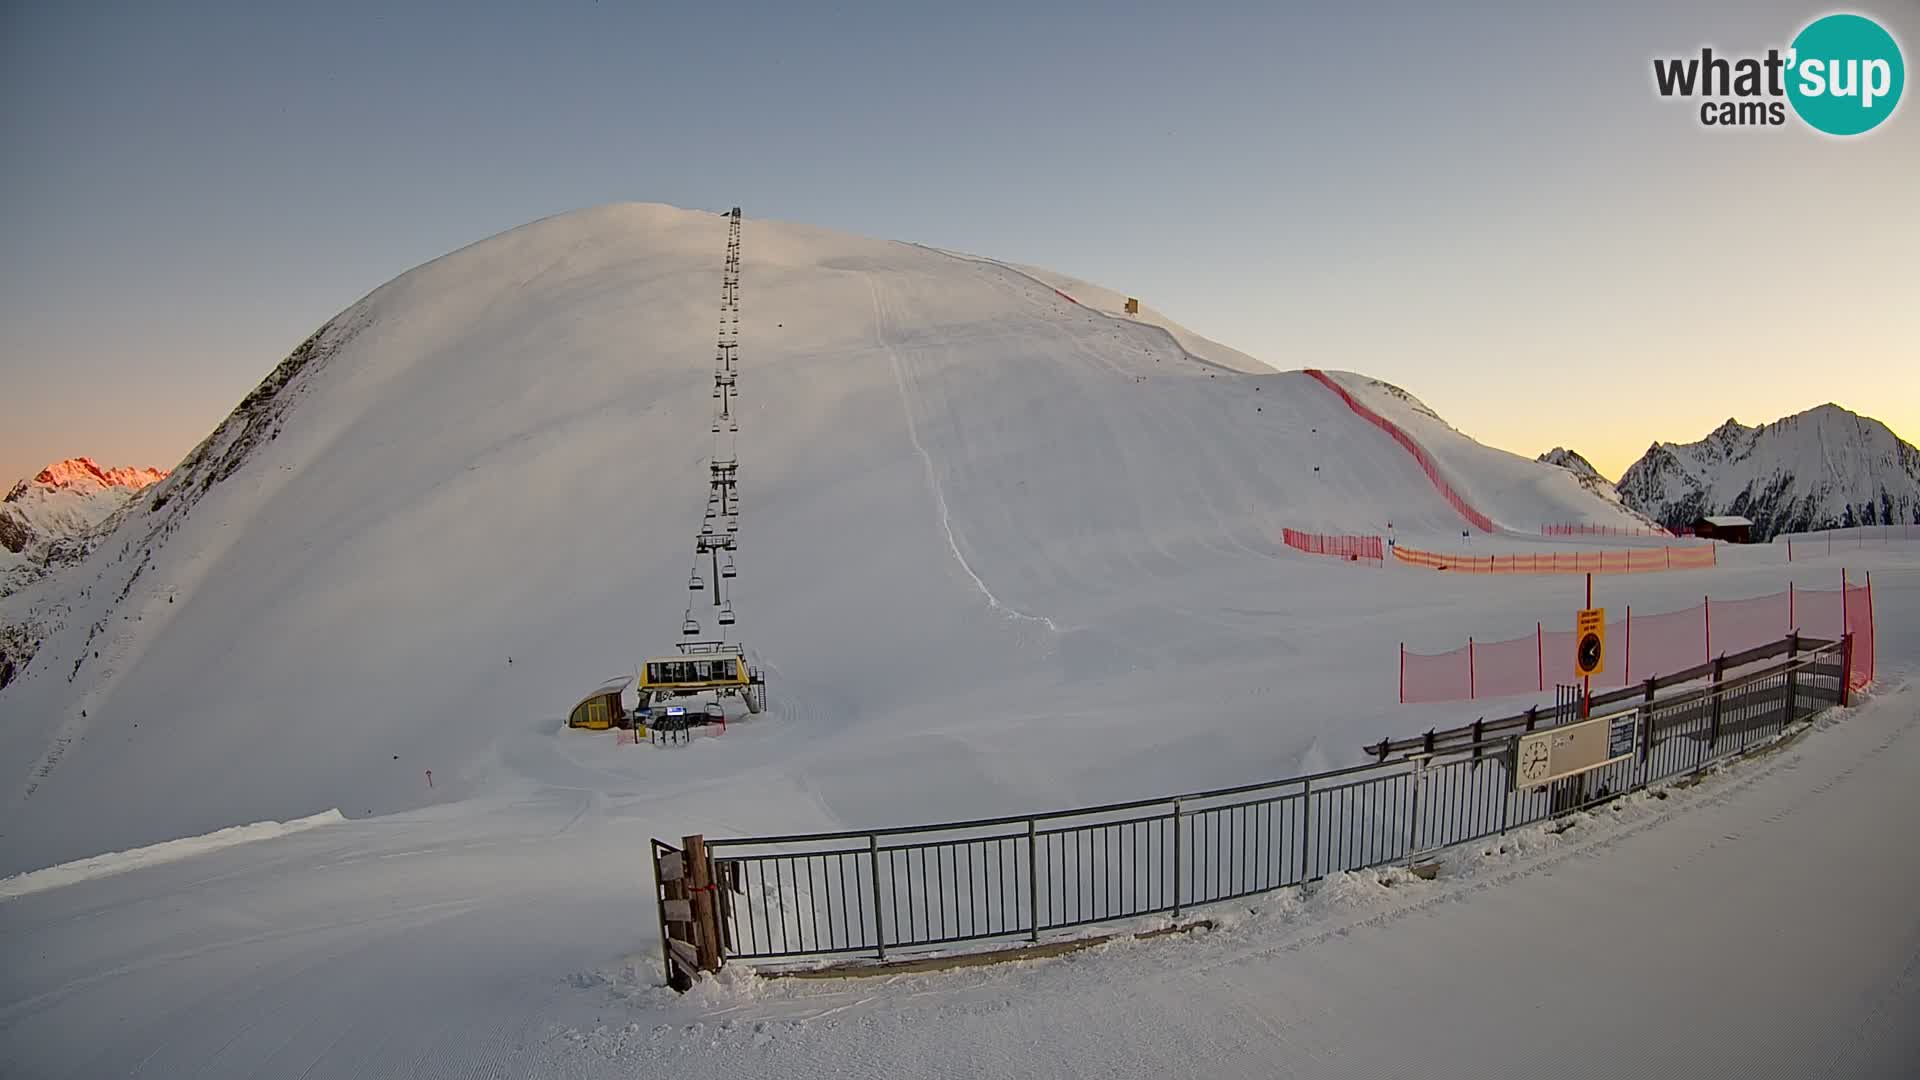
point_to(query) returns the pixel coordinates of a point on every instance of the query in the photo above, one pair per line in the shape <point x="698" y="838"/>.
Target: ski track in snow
<point x="933" y="478"/>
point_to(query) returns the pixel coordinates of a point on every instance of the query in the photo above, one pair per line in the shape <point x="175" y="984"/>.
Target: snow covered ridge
<point x="1823" y="468"/>
<point x="51" y="520"/>
<point x="119" y="862"/>
<point x="83" y="473"/>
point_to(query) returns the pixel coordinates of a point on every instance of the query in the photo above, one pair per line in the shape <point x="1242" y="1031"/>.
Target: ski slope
<point x="1000" y="552"/>
<point x="969" y="503"/>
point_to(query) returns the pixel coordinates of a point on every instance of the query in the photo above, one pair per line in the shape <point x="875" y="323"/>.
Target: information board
<point x="1541" y="757"/>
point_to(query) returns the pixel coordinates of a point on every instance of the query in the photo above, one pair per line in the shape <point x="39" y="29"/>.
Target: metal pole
<point x="1176" y="857"/>
<point x="1513" y="778"/>
<point x="1306" y="828"/>
<point x="1033" y="883"/>
<point x="879" y="927"/>
<point x="1413" y="812"/>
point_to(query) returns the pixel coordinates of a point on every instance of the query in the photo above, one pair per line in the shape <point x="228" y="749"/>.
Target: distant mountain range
<point x="1823" y="468"/>
<point x="52" y="520"/>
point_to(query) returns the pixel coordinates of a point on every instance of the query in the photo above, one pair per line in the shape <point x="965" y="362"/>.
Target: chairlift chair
<point x="726" y="614"/>
<point x="727" y="569"/>
<point x="696" y="583"/>
<point x="690" y="628"/>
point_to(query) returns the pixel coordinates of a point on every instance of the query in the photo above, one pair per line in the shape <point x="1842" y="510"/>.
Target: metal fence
<point x="882" y="890"/>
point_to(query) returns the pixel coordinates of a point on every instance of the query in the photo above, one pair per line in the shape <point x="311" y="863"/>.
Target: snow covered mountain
<point x="1826" y="467"/>
<point x="978" y="508"/>
<point x="1589" y="476"/>
<point x="49" y="521"/>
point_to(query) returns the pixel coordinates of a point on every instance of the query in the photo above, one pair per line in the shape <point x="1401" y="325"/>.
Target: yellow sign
<point x="1590" y="642"/>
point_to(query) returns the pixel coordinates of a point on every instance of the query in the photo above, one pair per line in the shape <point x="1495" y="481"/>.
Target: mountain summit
<point x="1823" y="468"/>
<point x="48" y="521"/>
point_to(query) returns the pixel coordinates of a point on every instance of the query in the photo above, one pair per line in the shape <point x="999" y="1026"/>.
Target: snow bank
<point x="119" y="862"/>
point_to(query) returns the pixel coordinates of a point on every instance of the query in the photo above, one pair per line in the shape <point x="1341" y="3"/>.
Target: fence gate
<point x="689" y="921"/>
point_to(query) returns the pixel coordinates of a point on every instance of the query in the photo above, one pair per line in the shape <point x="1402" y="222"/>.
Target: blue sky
<point x="1485" y="204"/>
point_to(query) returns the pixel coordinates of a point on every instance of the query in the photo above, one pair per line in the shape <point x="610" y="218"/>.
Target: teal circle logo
<point x="1845" y="74"/>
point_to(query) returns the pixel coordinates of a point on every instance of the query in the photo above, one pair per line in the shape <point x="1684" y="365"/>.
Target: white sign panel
<point x="1571" y="749"/>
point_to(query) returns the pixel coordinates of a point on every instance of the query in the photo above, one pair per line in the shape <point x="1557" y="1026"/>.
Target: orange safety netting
<point x="1427" y="465"/>
<point x="1640" y="647"/>
<point x="1349" y="547"/>
<point x="1623" y="561"/>
<point x="1572" y="528"/>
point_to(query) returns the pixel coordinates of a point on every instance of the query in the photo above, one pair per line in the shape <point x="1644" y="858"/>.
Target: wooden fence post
<point x="706" y="926"/>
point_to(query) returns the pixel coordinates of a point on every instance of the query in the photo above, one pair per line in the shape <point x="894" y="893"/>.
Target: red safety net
<point x="1369" y="548"/>
<point x="1446" y="677"/>
<point x="1479" y="520"/>
<point x="1859" y="614"/>
<point x="1640" y="647"/>
<point x="1573" y="528"/>
<point x="1621" y="561"/>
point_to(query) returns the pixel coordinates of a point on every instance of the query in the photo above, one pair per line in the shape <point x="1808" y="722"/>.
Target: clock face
<point x="1534" y="760"/>
<point x="1589" y="653"/>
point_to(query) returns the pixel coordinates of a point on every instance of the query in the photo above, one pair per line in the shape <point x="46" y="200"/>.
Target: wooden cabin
<point x="1727" y="527"/>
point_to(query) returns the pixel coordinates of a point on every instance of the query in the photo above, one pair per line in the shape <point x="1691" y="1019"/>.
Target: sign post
<point x="1590" y="647"/>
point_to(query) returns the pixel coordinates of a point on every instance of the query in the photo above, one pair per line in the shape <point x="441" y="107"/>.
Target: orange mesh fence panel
<point x="1622" y="561"/>
<point x="1640" y="647"/>
<point x="1446" y="677"/>
<point x="1582" y="529"/>
<point x="1669" y="642"/>
<point x="1370" y="548"/>
<point x="1501" y="668"/>
<point x="1739" y="625"/>
<point x="1420" y="455"/>
<point x="1859" y="616"/>
<point x="1820" y="613"/>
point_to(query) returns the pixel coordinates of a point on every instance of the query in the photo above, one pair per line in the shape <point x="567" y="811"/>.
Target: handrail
<point x="1811" y="649"/>
<point x="1660" y="682"/>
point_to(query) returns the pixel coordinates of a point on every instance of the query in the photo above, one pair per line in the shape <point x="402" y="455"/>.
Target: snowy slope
<point x="984" y="527"/>
<point x="1518" y="494"/>
<point x="1822" y="468"/>
<point x="49" y="521"/>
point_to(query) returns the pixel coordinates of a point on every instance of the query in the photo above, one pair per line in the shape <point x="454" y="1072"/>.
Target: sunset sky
<point x="1487" y="205"/>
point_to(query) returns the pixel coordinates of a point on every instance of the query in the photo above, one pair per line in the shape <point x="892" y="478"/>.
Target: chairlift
<point x="696" y="583"/>
<point x="690" y="628"/>
<point x="726" y="614"/>
<point x="733" y="523"/>
<point x="727" y="569"/>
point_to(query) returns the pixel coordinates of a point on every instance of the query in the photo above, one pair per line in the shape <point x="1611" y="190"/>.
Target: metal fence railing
<point x="883" y="890"/>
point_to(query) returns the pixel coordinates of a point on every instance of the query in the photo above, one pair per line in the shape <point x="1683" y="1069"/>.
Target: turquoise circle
<point x="1849" y="52"/>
